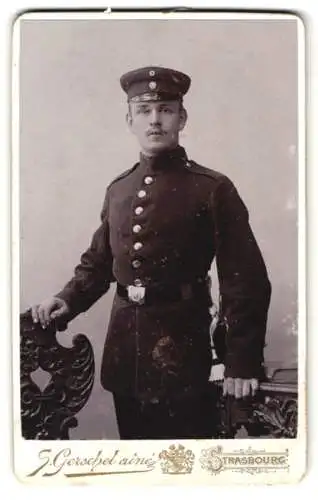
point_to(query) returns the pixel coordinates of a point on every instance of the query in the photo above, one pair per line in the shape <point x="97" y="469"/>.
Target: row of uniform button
<point x="137" y="228"/>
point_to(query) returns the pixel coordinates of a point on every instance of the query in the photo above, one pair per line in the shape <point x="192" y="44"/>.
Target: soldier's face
<point x="156" y="124"/>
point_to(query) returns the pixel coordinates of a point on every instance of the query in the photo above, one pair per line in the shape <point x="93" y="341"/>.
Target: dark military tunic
<point x="163" y="223"/>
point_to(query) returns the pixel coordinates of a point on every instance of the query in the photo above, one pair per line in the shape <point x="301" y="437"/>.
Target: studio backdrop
<point x="242" y="109"/>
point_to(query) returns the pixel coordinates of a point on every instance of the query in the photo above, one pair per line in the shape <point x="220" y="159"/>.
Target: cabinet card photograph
<point x="158" y="243"/>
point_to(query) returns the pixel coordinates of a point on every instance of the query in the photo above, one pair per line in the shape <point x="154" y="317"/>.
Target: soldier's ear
<point x="183" y="118"/>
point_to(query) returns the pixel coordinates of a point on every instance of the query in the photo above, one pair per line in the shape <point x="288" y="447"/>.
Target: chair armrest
<point x="48" y="412"/>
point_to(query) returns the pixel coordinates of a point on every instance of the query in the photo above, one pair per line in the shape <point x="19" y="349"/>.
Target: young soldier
<point x="162" y="224"/>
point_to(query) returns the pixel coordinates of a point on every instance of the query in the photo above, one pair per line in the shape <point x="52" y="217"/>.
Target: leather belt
<point x="158" y="295"/>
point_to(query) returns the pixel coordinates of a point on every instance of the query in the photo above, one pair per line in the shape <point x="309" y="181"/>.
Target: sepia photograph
<point x="160" y="219"/>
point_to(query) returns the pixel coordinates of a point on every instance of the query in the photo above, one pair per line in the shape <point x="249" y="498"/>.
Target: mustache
<point x="155" y="131"/>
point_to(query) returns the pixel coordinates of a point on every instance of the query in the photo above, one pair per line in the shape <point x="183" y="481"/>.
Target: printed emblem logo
<point x="176" y="460"/>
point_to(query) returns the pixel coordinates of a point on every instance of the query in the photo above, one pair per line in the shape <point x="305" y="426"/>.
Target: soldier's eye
<point x="167" y="110"/>
<point x="143" y="110"/>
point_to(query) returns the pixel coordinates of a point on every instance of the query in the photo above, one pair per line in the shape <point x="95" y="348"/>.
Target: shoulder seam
<point x="217" y="176"/>
<point x="123" y="174"/>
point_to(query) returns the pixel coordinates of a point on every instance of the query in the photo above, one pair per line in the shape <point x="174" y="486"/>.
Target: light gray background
<point x="242" y="109"/>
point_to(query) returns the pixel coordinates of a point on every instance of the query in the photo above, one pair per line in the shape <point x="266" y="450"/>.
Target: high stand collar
<point x="168" y="159"/>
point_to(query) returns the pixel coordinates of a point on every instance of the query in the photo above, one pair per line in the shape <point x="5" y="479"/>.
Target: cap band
<point x="156" y="96"/>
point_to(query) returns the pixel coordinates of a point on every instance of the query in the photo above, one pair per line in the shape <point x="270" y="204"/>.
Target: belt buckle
<point x="136" y="294"/>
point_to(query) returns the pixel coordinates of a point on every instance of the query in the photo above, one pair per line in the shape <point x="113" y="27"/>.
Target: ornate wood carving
<point x="272" y="413"/>
<point x="50" y="413"/>
<point x="278" y="417"/>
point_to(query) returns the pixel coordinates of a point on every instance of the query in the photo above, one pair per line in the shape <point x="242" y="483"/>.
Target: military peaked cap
<point x="154" y="83"/>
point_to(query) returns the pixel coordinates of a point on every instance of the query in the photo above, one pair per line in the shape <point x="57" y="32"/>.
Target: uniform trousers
<point x="186" y="416"/>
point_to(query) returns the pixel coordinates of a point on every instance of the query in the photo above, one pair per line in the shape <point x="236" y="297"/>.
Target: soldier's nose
<point x="155" y="117"/>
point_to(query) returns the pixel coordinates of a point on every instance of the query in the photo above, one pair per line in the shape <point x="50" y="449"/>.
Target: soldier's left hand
<point x="240" y="387"/>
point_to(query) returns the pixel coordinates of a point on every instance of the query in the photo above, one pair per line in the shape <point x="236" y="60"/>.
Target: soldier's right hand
<point x="49" y="310"/>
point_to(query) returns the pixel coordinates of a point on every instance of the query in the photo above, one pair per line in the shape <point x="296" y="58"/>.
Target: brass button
<point x="138" y="210"/>
<point x="138" y="245"/>
<point x="137" y="282"/>
<point x="148" y="180"/>
<point x="136" y="264"/>
<point x="136" y="228"/>
<point x="141" y="193"/>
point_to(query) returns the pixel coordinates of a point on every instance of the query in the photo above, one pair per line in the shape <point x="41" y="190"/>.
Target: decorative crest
<point x="176" y="460"/>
